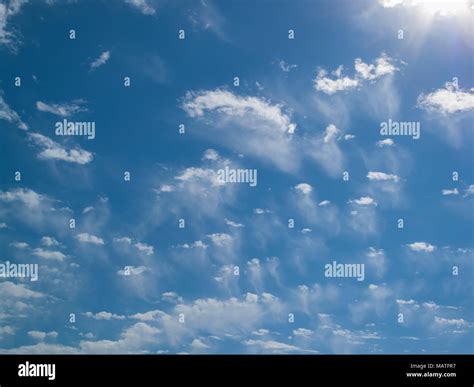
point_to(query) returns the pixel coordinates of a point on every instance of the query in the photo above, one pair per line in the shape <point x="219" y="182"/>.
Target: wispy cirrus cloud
<point x="64" y="109"/>
<point x="51" y="150"/>
<point x="9" y="115"/>
<point x="100" y="61"/>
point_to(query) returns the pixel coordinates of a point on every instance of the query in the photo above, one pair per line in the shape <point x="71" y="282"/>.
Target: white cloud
<point x="6" y="113"/>
<point x="422" y="246"/>
<point x="364" y="201"/>
<point x="171" y="297"/>
<point x="448" y="100"/>
<point x="49" y="254"/>
<point x="446" y="192"/>
<point x="220" y="239"/>
<point x="432" y="7"/>
<point x="286" y="67"/>
<point x="233" y="224"/>
<point x="271" y="346"/>
<point x="19" y="245"/>
<point x="9" y="289"/>
<point x="236" y="121"/>
<point x="166" y="188"/>
<point x="331" y="86"/>
<point x="198" y="344"/>
<point x="192" y="174"/>
<point x="197" y="244"/>
<point x="54" y="151"/>
<point x="144" y="248"/>
<point x="104" y="316"/>
<point x="88" y="238"/>
<point x="469" y="190"/>
<point x="385" y="142"/>
<point x="132" y="270"/>
<point x="383" y="66"/>
<point x="451" y="322"/>
<point x="304" y="188"/>
<point x="382" y="176"/>
<point x="211" y="154"/>
<point x="101" y="60"/>
<point x="363" y="72"/>
<point x="63" y="110"/>
<point x="40" y="336"/>
<point x="142" y="5"/>
<point x="49" y="241"/>
<point x="25" y="195"/>
<point x="7" y="37"/>
<point x="132" y="340"/>
<point x="331" y="133"/>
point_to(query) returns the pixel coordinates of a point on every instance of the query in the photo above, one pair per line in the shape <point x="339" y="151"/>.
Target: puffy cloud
<point x="144" y="248"/>
<point x="422" y="246"/>
<point x="364" y="201"/>
<point x="220" y="239"/>
<point x="54" y="151"/>
<point x="101" y="60"/>
<point x="330" y="86"/>
<point x="10" y="289"/>
<point x="88" y="238"/>
<point x="132" y="340"/>
<point x="49" y="241"/>
<point x="382" y="176"/>
<point x="448" y="100"/>
<point x="452" y="322"/>
<point x="331" y="133"/>
<point x="63" y="110"/>
<point x="384" y="65"/>
<point x="104" y="316"/>
<point x="48" y="254"/>
<point x="211" y="154"/>
<point x="385" y="142"/>
<point x="195" y="245"/>
<point x="25" y="195"/>
<point x="304" y="188"/>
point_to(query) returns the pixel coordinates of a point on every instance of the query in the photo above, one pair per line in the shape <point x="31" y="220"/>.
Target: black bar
<point x="311" y="370"/>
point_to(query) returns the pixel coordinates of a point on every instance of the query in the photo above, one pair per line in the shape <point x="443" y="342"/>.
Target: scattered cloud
<point x="51" y="150"/>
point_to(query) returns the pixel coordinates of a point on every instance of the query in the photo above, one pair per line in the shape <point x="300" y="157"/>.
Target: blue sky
<point x="306" y="113"/>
